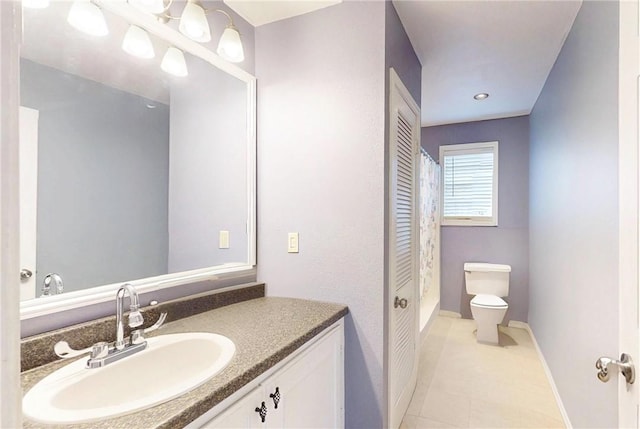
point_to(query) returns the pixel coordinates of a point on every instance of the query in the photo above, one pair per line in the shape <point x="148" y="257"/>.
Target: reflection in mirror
<point x="129" y="172"/>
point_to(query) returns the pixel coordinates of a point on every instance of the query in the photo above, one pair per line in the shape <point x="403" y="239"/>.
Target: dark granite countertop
<point x="264" y="330"/>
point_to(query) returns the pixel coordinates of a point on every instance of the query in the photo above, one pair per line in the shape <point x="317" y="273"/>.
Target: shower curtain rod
<point x="427" y="154"/>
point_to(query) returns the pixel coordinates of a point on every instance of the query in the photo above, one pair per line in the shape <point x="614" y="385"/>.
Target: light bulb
<point x="35" y="4"/>
<point x="193" y="23"/>
<point x="137" y="43"/>
<point x="88" y="18"/>
<point x="174" y="63"/>
<point x="230" y="45"/>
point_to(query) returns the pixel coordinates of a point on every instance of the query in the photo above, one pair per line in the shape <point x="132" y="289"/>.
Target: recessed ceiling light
<point x="481" y="96"/>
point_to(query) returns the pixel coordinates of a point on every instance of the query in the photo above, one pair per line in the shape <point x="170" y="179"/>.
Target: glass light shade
<point x="230" y="45"/>
<point x="150" y="6"/>
<point x="193" y="23"/>
<point x="88" y="18"/>
<point x="137" y="43"/>
<point x="35" y="4"/>
<point x="173" y="62"/>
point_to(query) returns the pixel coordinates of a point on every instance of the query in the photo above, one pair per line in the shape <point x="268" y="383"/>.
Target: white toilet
<point x="489" y="283"/>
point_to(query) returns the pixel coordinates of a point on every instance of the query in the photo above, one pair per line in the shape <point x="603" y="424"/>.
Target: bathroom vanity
<point x="289" y="354"/>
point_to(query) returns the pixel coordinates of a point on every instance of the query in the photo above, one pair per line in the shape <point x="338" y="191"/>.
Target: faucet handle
<point x="158" y="324"/>
<point x="137" y="336"/>
<point x="64" y="350"/>
<point x="100" y="350"/>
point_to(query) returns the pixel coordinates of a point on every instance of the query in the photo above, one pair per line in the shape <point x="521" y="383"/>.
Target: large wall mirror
<point x="130" y="173"/>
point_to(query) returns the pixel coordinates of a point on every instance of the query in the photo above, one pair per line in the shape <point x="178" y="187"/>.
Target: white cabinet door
<point x="309" y="391"/>
<point x="242" y="414"/>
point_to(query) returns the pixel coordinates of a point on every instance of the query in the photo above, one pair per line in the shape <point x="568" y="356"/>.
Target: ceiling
<point x="260" y="12"/>
<point x="503" y="48"/>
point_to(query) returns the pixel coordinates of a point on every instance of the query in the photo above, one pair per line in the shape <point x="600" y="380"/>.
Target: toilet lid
<point x="489" y="301"/>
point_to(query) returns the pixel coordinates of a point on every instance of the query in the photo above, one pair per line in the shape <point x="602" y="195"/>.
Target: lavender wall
<point x="508" y="243"/>
<point x="320" y="173"/>
<point x="573" y="220"/>
<point x="400" y="55"/>
<point x="321" y="163"/>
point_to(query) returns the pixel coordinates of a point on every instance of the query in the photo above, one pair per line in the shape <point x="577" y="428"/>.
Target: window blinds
<point x="468" y="183"/>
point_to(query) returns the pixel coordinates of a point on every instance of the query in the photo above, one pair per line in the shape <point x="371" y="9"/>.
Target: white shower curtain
<point x="429" y="223"/>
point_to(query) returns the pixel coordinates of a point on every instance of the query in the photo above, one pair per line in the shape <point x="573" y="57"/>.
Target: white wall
<point x="321" y="95"/>
<point x="10" y="393"/>
<point x="573" y="308"/>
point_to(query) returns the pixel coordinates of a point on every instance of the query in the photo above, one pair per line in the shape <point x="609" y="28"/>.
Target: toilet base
<point x="487" y="321"/>
<point x="488" y="335"/>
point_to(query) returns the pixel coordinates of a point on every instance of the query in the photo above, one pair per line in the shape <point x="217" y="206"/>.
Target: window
<point x="470" y="184"/>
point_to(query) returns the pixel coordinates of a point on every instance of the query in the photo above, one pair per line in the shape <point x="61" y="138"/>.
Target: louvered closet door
<point x="403" y="249"/>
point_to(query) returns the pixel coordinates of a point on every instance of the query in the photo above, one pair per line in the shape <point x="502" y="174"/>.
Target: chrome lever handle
<point x="158" y="324"/>
<point x="137" y="336"/>
<point x="64" y="350"/>
<point x="625" y="365"/>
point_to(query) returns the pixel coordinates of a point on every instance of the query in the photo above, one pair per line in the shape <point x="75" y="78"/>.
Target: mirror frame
<point x="57" y="303"/>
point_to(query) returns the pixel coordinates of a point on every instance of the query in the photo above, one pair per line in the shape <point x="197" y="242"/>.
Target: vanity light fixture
<point x="173" y="62"/>
<point x="35" y="4"/>
<point x="194" y="25"/>
<point x="481" y="96"/>
<point x="230" y="45"/>
<point x="137" y="43"/>
<point x="193" y="22"/>
<point x="88" y="18"/>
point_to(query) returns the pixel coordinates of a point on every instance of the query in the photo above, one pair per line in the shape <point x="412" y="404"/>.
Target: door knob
<point x="625" y="365"/>
<point x="402" y="303"/>
<point x="25" y="274"/>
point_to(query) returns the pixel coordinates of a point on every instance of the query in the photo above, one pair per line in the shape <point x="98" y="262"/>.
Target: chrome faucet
<point x="52" y="279"/>
<point x="102" y="353"/>
<point x="135" y="317"/>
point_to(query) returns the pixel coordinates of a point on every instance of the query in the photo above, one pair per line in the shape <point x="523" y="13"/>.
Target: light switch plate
<point x="292" y="246"/>
<point x="223" y="240"/>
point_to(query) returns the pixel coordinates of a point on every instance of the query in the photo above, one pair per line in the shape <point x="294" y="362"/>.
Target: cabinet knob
<point x="262" y="412"/>
<point x="276" y="397"/>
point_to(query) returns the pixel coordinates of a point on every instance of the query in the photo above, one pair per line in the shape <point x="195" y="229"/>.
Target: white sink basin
<point x="170" y="366"/>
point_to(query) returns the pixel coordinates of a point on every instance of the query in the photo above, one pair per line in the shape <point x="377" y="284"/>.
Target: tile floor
<point x="465" y="384"/>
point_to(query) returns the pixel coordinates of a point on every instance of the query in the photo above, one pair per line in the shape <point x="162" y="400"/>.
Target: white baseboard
<point x="447" y="313"/>
<point x="563" y="412"/>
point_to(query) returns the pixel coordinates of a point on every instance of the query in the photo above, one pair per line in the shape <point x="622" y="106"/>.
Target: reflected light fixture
<point x="174" y="63"/>
<point x="137" y="43"/>
<point x="193" y="22"/>
<point x="481" y="96"/>
<point x="88" y="18"/>
<point x="35" y="4"/>
<point x="194" y="25"/>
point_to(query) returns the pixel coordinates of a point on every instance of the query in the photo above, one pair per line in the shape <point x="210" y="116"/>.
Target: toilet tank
<point x="488" y="279"/>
